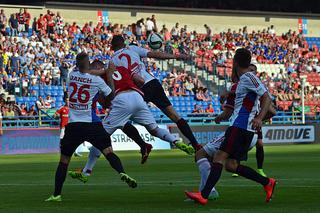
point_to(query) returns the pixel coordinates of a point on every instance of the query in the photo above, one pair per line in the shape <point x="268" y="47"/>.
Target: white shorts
<point x="62" y="130"/>
<point x="212" y="147"/>
<point x="128" y="106"/>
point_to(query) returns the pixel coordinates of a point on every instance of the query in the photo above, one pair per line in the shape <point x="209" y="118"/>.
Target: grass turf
<point x="26" y="180"/>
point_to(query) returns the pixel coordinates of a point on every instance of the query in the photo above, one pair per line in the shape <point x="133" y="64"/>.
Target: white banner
<point x="121" y="141"/>
<point x="288" y="134"/>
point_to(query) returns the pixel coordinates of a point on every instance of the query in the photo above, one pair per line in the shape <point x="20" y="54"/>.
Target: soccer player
<point x="84" y="125"/>
<point x="154" y="93"/>
<point x="128" y="129"/>
<point x="128" y="103"/>
<point x="211" y="148"/>
<point x="259" y="144"/>
<point x="245" y="120"/>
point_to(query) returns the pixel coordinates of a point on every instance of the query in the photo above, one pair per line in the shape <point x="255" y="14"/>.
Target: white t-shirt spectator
<point x="55" y="72"/>
<point x="149" y="25"/>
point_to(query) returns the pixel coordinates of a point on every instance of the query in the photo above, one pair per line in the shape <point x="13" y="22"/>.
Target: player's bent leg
<point x="167" y="136"/>
<point x="260" y="157"/>
<point x="182" y="125"/>
<point x="60" y="177"/>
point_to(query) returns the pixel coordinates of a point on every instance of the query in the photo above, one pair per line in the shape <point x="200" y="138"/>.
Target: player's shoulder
<point x="233" y="87"/>
<point x="250" y="78"/>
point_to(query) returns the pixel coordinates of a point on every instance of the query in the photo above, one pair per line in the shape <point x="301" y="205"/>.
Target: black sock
<point x="60" y="178"/>
<point x="251" y="174"/>
<point x="214" y="176"/>
<point x="115" y="162"/>
<point x="133" y="133"/>
<point x="186" y="131"/>
<point x="259" y="156"/>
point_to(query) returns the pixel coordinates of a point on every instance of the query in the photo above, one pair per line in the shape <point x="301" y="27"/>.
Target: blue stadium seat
<point x="54" y="88"/>
<point x="182" y="103"/>
<point x="59" y="99"/>
<point x="54" y="93"/>
<point x="26" y="99"/>
<point x="33" y="99"/>
<point x="175" y="98"/>
<point x="19" y="99"/>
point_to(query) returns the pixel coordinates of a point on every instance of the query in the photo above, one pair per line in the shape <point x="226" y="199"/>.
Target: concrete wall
<point x="195" y="20"/>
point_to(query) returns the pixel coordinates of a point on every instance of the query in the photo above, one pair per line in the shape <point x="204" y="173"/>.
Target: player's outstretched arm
<point x="163" y="55"/>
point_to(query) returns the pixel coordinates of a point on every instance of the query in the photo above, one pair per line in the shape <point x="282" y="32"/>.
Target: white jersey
<point x="83" y="93"/>
<point x="142" y="52"/>
<point x="248" y="93"/>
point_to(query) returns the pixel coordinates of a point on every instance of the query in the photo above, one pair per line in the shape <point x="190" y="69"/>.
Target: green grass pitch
<point x="27" y="180"/>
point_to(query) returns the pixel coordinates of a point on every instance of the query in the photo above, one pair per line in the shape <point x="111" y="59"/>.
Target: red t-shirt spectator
<point x="41" y="23"/>
<point x="49" y="19"/>
<point x="63" y="112"/>
<point x="27" y="17"/>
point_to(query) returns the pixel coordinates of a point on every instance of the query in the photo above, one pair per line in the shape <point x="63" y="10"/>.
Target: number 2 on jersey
<point x="83" y="94"/>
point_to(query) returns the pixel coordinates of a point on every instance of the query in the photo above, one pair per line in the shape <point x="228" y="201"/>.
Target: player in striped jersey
<point x="246" y="119"/>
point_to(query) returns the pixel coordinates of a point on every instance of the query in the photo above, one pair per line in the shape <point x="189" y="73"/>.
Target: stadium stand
<point x="37" y="56"/>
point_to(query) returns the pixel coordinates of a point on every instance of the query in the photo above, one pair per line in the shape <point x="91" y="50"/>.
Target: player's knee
<point x="200" y="154"/>
<point x="231" y="166"/>
<point x="152" y="129"/>
<point x="65" y="159"/>
<point x="107" y="151"/>
<point x="259" y="143"/>
<point x="171" y="113"/>
<point x="220" y="157"/>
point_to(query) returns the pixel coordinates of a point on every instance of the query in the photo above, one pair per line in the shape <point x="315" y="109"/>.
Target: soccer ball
<point x="155" y="41"/>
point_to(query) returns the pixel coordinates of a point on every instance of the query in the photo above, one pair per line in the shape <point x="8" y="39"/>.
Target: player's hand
<point x="111" y="68"/>
<point x="256" y="123"/>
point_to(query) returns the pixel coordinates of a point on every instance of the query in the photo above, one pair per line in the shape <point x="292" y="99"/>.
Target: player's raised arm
<point x="163" y="55"/>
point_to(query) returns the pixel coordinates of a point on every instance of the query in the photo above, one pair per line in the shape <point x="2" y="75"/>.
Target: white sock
<point x="164" y="135"/>
<point x="92" y="159"/>
<point x="204" y="169"/>
<point x="77" y="150"/>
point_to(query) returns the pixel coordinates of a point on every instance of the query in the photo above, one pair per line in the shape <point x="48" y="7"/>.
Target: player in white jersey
<point x="245" y="120"/>
<point x="154" y="93"/>
<point x="128" y="103"/>
<point x="84" y="124"/>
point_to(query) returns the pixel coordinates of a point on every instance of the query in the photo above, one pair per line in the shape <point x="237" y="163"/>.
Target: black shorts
<point x="78" y="132"/>
<point x="236" y="143"/>
<point x="154" y="93"/>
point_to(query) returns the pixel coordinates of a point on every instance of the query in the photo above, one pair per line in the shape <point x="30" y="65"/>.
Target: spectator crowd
<point x="40" y="51"/>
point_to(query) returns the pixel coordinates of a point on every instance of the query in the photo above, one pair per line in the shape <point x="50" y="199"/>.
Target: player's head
<point x="241" y="61"/>
<point x="253" y="68"/>
<point x="82" y="61"/>
<point x="117" y="42"/>
<point x="97" y="64"/>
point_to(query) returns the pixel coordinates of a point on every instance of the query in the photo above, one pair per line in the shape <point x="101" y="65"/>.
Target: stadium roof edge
<point x="90" y="6"/>
<point x="21" y="6"/>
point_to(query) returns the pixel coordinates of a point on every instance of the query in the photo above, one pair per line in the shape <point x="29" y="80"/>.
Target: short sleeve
<point x="252" y="83"/>
<point x="103" y="87"/>
<point x="142" y="52"/>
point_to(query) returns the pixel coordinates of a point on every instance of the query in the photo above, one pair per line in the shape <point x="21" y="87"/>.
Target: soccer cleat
<point x="214" y="195"/>
<point x="234" y="175"/>
<point x="196" y="196"/>
<point x="79" y="176"/>
<point x="53" y="198"/>
<point x="145" y="156"/>
<point x="261" y="172"/>
<point x="184" y="147"/>
<point x="130" y="181"/>
<point x="269" y="189"/>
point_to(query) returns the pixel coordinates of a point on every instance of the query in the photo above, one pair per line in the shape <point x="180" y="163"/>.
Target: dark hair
<point x="254" y="66"/>
<point x="242" y="58"/>
<point x="117" y="42"/>
<point x="96" y="63"/>
<point x="82" y="58"/>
